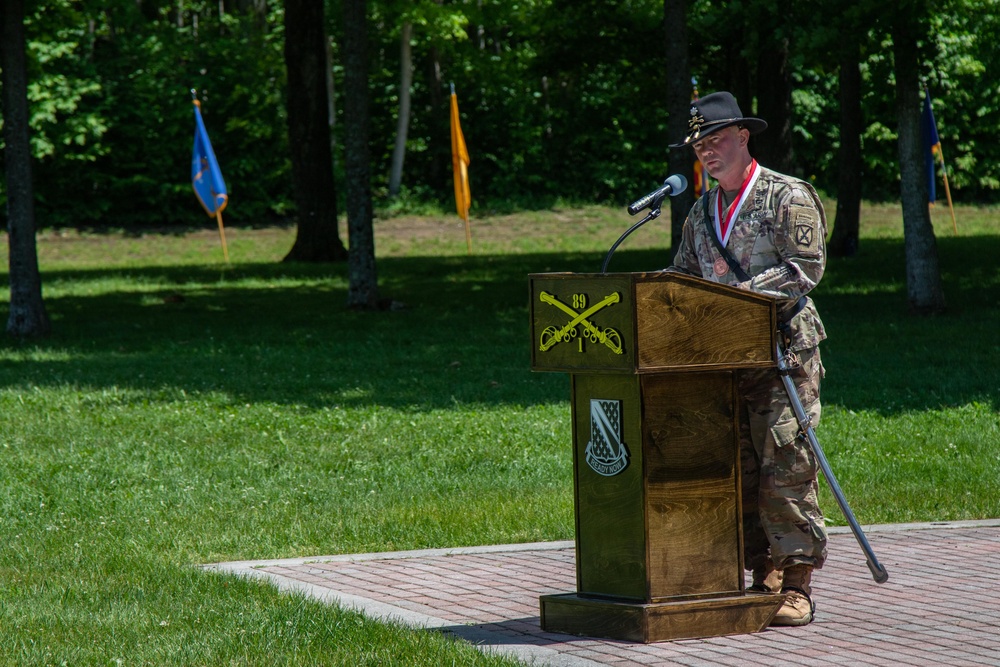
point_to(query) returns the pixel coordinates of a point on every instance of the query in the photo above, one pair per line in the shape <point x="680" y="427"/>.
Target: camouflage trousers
<point x="781" y="515"/>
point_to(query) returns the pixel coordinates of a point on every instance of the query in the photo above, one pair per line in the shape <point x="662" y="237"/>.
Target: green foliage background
<point x="560" y="100"/>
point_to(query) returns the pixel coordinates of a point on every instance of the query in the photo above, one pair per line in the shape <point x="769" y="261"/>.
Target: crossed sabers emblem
<point x="551" y="336"/>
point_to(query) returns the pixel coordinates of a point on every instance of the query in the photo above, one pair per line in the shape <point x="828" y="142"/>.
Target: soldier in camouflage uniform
<point x="774" y="229"/>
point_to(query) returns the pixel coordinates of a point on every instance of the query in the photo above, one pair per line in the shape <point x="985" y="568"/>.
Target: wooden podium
<point x="652" y="359"/>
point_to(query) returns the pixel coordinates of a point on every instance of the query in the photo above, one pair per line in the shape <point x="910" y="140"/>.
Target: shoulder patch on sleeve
<point x="806" y="230"/>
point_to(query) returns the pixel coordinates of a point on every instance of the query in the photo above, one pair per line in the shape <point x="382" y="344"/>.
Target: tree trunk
<point x="403" y="122"/>
<point x="27" y="310"/>
<point x="923" y="274"/>
<point x="439" y="130"/>
<point x="363" y="281"/>
<point x="773" y="148"/>
<point x="331" y="101"/>
<point x="679" y="89"/>
<point x="317" y="238"/>
<point x="847" y="221"/>
<point x="737" y="75"/>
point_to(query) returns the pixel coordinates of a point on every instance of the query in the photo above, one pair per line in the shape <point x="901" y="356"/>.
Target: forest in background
<point x="560" y="101"/>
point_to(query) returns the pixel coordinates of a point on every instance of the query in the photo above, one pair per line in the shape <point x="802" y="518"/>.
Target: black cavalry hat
<point x="713" y="112"/>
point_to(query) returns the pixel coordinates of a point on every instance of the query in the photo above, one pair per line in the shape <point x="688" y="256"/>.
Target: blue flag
<point x="932" y="144"/>
<point x="206" y="177"/>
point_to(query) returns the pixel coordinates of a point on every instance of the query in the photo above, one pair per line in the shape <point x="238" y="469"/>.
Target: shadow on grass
<point x="282" y="332"/>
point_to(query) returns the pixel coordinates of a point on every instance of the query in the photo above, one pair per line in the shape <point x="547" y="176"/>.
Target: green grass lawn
<point x="185" y="412"/>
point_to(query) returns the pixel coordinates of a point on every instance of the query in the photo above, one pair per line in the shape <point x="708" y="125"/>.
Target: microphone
<point x="673" y="186"/>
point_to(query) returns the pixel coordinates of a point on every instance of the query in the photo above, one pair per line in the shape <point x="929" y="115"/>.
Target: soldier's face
<point x="724" y="153"/>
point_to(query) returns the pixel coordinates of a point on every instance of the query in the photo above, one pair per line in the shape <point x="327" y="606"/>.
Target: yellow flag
<point x="459" y="161"/>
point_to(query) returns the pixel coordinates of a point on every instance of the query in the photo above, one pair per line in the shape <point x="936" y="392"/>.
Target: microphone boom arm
<point x="654" y="213"/>
<point x="673" y="186"/>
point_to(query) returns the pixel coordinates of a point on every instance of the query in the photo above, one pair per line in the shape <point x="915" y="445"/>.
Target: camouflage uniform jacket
<point x="779" y="240"/>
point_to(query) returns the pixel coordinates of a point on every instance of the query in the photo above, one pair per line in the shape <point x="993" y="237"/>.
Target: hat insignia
<point x="694" y="125"/>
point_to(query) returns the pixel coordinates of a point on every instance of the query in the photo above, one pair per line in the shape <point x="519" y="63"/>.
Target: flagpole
<point x="468" y="235"/>
<point x="947" y="190"/>
<point x="222" y="235"/>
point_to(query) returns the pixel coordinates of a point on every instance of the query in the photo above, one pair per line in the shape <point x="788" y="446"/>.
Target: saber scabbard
<point x="805" y="425"/>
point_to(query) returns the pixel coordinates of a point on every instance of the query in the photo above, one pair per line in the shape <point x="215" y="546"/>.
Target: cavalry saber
<point x="878" y="572"/>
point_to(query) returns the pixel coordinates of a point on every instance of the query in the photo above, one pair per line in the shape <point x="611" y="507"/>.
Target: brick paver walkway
<point x="940" y="607"/>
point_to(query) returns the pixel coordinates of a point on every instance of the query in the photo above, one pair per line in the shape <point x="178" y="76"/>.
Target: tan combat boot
<point x="798" y="608"/>
<point x="766" y="579"/>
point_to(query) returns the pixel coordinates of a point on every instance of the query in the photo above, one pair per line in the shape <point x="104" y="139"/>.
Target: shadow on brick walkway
<point x="941" y="605"/>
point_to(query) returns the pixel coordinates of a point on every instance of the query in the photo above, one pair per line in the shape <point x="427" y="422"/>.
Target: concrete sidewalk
<point x="941" y="605"/>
